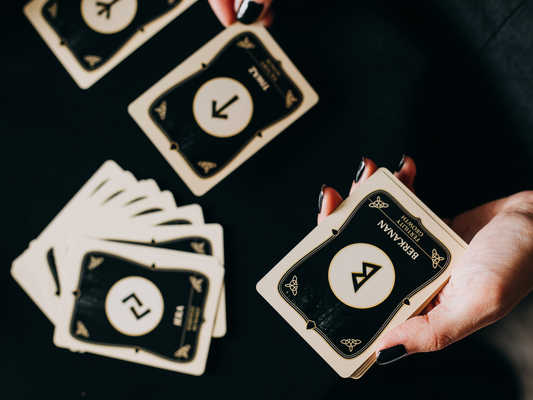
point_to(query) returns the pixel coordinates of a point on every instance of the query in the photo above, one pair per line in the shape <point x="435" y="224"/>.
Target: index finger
<point x="224" y="10"/>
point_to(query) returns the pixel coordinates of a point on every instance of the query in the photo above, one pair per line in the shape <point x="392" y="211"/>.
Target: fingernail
<point x="249" y="11"/>
<point x="321" y="198"/>
<point x="400" y="165"/>
<point x="391" y="354"/>
<point x="360" y="170"/>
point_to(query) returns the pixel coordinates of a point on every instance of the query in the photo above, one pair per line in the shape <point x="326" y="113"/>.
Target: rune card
<point x="376" y="261"/>
<point x="90" y="37"/>
<point x="224" y="103"/>
<point x="139" y="304"/>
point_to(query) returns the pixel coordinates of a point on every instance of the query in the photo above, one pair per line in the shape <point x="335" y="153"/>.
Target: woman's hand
<point x="488" y="281"/>
<point x="246" y="11"/>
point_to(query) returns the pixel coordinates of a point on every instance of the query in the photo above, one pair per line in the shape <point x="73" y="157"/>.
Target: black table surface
<point x="434" y="80"/>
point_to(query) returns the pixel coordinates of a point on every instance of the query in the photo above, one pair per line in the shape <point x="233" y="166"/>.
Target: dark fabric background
<point x="448" y="82"/>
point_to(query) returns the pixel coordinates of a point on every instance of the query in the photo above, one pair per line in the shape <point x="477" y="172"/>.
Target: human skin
<point x="226" y="11"/>
<point x="494" y="274"/>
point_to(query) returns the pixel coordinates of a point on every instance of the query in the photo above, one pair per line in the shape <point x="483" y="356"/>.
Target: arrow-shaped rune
<point x="216" y="113"/>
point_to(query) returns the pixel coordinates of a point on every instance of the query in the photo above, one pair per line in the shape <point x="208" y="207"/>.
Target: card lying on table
<point x="139" y="304"/>
<point x="146" y="241"/>
<point x="223" y="104"/>
<point x="91" y="37"/>
<point x="376" y="261"/>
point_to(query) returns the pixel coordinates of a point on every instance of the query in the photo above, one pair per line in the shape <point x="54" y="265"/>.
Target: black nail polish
<point x="360" y="170"/>
<point x="321" y="198"/>
<point x="249" y="11"/>
<point x="401" y="164"/>
<point x="391" y="354"/>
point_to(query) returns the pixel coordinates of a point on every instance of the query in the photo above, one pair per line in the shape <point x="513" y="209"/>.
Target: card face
<point x="122" y="304"/>
<point x="222" y="105"/>
<point x="115" y="236"/>
<point x="364" y="277"/>
<point x="197" y="239"/>
<point x="139" y="304"/>
<point x="371" y="265"/>
<point x="91" y="37"/>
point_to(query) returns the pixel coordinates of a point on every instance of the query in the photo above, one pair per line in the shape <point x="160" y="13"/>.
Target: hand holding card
<point x="478" y="292"/>
<point x="373" y="263"/>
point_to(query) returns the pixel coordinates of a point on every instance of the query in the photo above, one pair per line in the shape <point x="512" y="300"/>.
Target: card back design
<point x="241" y="92"/>
<point x="350" y="287"/>
<point x="120" y="303"/>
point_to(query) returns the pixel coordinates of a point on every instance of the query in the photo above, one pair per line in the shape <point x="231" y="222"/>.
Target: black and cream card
<point x="113" y="210"/>
<point x="373" y="263"/>
<point x="224" y="103"/>
<point x="139" y="304"/>
<point x="90" y="37"/>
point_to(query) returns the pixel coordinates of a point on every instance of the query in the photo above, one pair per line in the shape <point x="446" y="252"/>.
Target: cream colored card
<point x="139" y="304"/>
<point x="222" y="105"/>
<point x="205" y="239"/>
<point x="91" y="37"/>
<point x="377" y="260"/>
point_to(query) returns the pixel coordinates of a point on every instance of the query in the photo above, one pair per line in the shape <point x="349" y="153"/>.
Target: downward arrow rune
<point x="217" y="113"/>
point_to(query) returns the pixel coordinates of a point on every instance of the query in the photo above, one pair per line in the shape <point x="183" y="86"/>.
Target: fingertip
<point x="329" y="200"/>
<point x="391" y="354"/>
<point x="406" y="172"/>
<point x="224" y="10"/>
<point x="268" y="18"/>
<point x="365" y="170"/>
<point x="250" y="11"/>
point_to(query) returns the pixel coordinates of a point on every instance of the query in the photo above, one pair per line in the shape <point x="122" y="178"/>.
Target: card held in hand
<point x="376" y="261"/>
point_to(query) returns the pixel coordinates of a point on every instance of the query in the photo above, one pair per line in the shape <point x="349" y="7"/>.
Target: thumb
<point x="443" y="325"/>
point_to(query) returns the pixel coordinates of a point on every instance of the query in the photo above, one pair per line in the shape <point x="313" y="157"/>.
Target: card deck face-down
<point x="373" y="263"/>
<point x="91" y="37"/>
<point x="139" y="304"/>
<point x="222" y="105"/>
<point x="115" y="212"/>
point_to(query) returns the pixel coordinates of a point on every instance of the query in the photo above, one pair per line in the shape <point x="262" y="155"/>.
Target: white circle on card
<point x="134" y="306"/>
<point x="361" y="275"/>
<point x="108" y="16"/>
<point x="223" y="107"/>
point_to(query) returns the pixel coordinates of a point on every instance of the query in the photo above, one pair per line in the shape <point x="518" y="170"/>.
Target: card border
<point x="139" y="109"/>
<point x="330" y="239"/>
<point x="83" y="78"/>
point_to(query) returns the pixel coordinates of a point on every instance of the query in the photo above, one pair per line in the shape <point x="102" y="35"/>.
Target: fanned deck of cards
<point x="223" y="104"/>
<point x="91" y="37"/>
<point x="376" y="261"/>
<point x="123" y="272"/>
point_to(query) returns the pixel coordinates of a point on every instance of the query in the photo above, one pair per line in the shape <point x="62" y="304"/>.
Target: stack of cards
<point x="122" y="271"/>
<point x="376" y="261"/>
